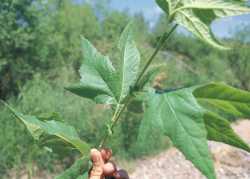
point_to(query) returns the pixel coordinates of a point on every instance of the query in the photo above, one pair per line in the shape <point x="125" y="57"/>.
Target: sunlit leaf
<point x="179" y="116"/>
<point x="130" y="63"/>
<point x="98" y="77"/>
<point x="197" y="15"/>
<point x="100" y="81"/>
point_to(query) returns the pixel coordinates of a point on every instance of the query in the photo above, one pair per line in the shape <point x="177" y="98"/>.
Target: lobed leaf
<point x="129" y="66"/>
<point x="197" y="15"/>
<point x="100" y="81"/>
<point x="222" y="104"/>
<point x="179" y="116"/>
<point x="52" y="132"/>
<point x="224" y="100"/>
<point x="219" y="130"/>
<point x="186" y="118"/>
<point x="98" y="77"/>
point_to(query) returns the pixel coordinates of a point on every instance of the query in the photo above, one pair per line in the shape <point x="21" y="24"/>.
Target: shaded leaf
<point x="178" y="115"/>
<point x="52" y="132"/>
<point x="223" y="103"/>
<point x="219" y="130"/>
<point x="224" y="100"/>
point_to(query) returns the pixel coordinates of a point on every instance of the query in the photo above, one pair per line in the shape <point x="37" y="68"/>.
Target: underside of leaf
<point x="197" y="15"/>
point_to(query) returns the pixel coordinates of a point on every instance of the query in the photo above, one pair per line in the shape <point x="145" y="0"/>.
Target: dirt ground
<point x="230" y="163"/>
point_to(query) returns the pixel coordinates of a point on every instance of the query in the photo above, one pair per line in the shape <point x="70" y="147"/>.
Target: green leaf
<point x="223" y="103"/>
<point x="77" y="170"/>
<point x="98" y="77"/>
<point x="220" y="8"/>
<point x="219" y="130"/>
<point x="227" y="101"/>
<point x="100" y="81"/>
<point x="179" y="116"/>
<point x="165" y="5"/>
<point x="52" y="132"/>
<point x="129" y="66"/>
<point x="199" y="27"/>
<point x="197" y="15"/>
<point x="168" y="6"/>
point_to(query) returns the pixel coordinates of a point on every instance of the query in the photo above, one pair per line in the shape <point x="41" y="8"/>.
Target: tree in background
<point x="18" y="21"/>
<point x="239" y="57"/>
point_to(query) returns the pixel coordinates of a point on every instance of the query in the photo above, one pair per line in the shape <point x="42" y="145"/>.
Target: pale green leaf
<point x="221" y="8"/>
<point x="219" y="130"/>
<point x="129" y="66"/>
<point x="199" y="28"/>
<point x="127" y="35"/>
<point x="179" y="116"/>
<point x="52" y="132"/>
<point x="197" y="15"/>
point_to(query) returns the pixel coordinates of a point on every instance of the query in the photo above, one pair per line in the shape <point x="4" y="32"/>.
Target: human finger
<point x="97" y="169"/>
<point x="106" y="154"/>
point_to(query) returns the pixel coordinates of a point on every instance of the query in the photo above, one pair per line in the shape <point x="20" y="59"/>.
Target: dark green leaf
<point x="219" y="130"/>
<point x="164" y="5"/>
<point x="225" y="100"/>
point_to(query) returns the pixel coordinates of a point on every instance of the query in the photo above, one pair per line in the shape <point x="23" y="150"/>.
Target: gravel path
<point x="230" y="163"/>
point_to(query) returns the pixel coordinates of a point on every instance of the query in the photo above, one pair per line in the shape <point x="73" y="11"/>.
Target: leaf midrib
<point x="180" y="122"/>
<point x="106" y="83"/>
<point x="193" y="24"/>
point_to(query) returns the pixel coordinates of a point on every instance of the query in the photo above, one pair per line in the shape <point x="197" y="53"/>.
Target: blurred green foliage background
<point x="40" y="54"/>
